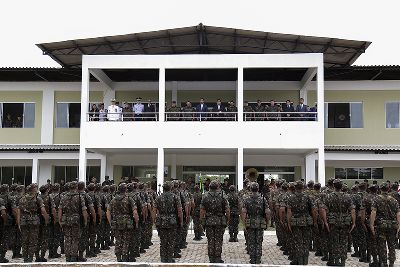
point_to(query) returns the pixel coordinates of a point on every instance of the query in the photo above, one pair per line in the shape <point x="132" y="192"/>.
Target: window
<point x="392" y="114"/>
<point x="344" y="115"/>
<point x="16" y="174"/>
<point x="17" y="115"/>
<point x="359" y="173"/>
<point x="68" y="115"/>
<point x="71" y="173"/>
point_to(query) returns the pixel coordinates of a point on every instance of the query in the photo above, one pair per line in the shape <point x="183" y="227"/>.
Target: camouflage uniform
<point x="43" y="242"/>
<point x="358" y="234"/>
<point x="18" y="242"/>
<point x="198" y="229"/>
<point x="29" y="205"/>
<point x="338" y="206"/>
<point x="9" y="228"/>
<point x="259" y="116"/>
<point x="92" y="227"/>
<point x="134" y="246"/>
<point x="254" y="207"/>
<point x="248" y="113"/>
<point x="300" y="221"/>
<point x="214" y="205"/>
<point x="2" y="229"/>
<point x="84" y="239"/>
<point x="174" y="116"/>
<point x="183" y="230"/>
<point x="167" y="206"/>
<point x="55" y="234"/>
<point x="371" y="239"/>
<point x="387" y="209"/>
<point x="121" y="209"/>
<point x="234" y="205"/>
<point x="72" y="205"/>
<point x="188" y="116"/>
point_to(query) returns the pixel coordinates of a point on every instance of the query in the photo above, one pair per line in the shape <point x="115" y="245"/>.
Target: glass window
<point x="28" y="175"/>
<point x="19" y="175"/>
<point x="364" y="173"/>
<point x="356" y="115"/>
<point x="13" y="115"/>
<point x="344" y="115"/>
<point x="377" y="173"/>
<point x="29" y="115"/>
<point x="62" y="115"/>
<point x="74" y="115"/>
<point x="340" y="173"/>
<point x="71" y="173"/>
<point x="92" y="171"/>
<point x="352" y="173"/>
<point x="7" y="173"/>
<point x="392" y="114"/>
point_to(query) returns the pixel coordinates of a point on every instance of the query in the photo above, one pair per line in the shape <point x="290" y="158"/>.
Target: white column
<point x="173" y="166"/>
<point x="35" y="170"/>
<point x="110" y="170"/>
<point x="103" y="168"/>
<point x="310" y="167"/>
<point x="240" y="94"/>
<point x="321" y="166"/>
<point x="84" y="109"/>
<point x="303" y="171"/>
<point x="160" y="167"/>
<point x="175" y="92"/>
<point x="47" y="117"/>
<point x="239" y="168"/>
<point x="108" y="96"/>
<point x="161" y="94"/>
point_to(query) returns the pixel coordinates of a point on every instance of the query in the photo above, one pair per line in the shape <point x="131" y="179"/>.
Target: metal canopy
<point x="203" y="39"/>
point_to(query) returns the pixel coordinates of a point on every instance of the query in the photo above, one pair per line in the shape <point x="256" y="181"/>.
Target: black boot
<point x="119" y="258"/>
<point x="80" y="257"/>
<point x="235" y="239"/>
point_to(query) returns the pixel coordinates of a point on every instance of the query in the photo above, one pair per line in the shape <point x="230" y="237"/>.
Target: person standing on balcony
<point x="288" y="107"/>
<point x="219" y="111"/>
<point x="94" y="113"/>
<point x="232" y="109"/>
<point x="302" y="109"/>
<point x="102" y="113"/>
<point x="274" y="109"/>
<point x="173" y="113"/>
<point x="313" y="115"/>
<point x="127" y="112"/>
<point x="149" y="111"/>
<point x="114" y="112"/>
<point x="202" y="110"/>
<point x="259" y="108"/>
<point x="138" y="109"/>
<point x="189" y="110"/>
<point x="248" y="111"/>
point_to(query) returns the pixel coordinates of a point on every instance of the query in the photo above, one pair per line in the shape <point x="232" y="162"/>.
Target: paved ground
<point x="196" y="252"/>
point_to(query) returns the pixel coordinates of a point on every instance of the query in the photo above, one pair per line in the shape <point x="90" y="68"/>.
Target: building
<point x="353" y="134"/>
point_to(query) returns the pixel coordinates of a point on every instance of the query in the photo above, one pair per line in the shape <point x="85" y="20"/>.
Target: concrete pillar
<point x="108" y="96"/>
<point x="239" y="168"/>
<point x="321" y="166"/>
<point x="161" y="94"/>
<point x="240" y="94"/>
<point x="160" y="167"/>
<point x="173" y="166"/>
<point x="35" y="171"/>
<point x="103" y="168"/>
<point x="84" y="106"/>
<point x="175" y="92"/>
<point x="110" y="170"/>
<point x="310" y="167"/>
<point x="47" y="117"/>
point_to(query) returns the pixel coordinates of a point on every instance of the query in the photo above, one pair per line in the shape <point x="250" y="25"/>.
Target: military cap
<point x="373" y="187"/>
<point x="167" y="186"/>
<point x="337" y="181"/>
<point x="232" y="188"/>
<point x="91" y="186"/>
<point x="20" y="188"/>
<point x="197" y="188"/>
<point x="31" y="187"/>
<point x="81" y="185"/>
<point x="291" y="185"/>
<point x="246" y="181"/>
<point x="73" y="185"/>
<point x="354" y="188"/>
<point x="4" y="188"/>
<point x="214" y="184"/>
<point x="345" y="188"/>
<point x="122" y="187"/>
<point x="112" y="187"/>
<point x="130" y="187"/>
<point x="299" y="185"/>
<point x="43" y="188"/>
<point x="384" y="186"/>
<point x="105" y="188"/>
<point x="395" y="186"/>
<point x="13" y="187"/>
<point x="330" y="180"/>
<point x="254" y="187"/>
<point x="310" y="183"/>
<point x="285" y="185"/>
<point x="317" y="186"/>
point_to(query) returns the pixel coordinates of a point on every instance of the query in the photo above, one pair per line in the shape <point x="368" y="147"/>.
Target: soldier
<point x="18" y="245"/>
<point x="232" y="116"/>
<point x="54" y="227"/>
<point x="186" y="201"/>
<point x="255" y="214"/>
<point x="188" y="112"/>
<point x="144" y="224"/>
<point x="338" y="215"/>
<point x="123" y="217"/>
<point x="166" y="210"/>
<point x="44" y="227"/>
<point x="198" y="229"/>
<point x="248" y="111"/>
<point x="134" y="247"/>
<point x="385" y="216"/>
<point x="235" y="209"/>
<point x="99" y="219"/>
<point x="301" y="215"/>
<point x="112" y="195"/>
<point x="9" y="228"/>
<point x="4" y="221"/>
<point x="259" y="111"/>
<point x="173" y="112"/>
<point x="84" y="240"/>
<point x="326" y="247"/>
<point x="28" y="220"/>
<point x="317" y="230"/>
<point x="214" y="213"/>
<point x="92" y="227"/>
<point x="72" y="207"/>
<point x="106" y="233"/>
<point x="365" y="217"/>
<point x="358" y="235"/>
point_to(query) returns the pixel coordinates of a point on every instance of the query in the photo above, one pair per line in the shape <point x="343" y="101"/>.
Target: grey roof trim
<point x="39" y="148"/>
<point x="362" y="147"/>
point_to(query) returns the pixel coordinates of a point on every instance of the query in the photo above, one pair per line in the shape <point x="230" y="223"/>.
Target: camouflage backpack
<point x="167" y="213"/>
<point x="255" y="207"/>
<point x="121" y="213"/>
<point x="71" y="209"/>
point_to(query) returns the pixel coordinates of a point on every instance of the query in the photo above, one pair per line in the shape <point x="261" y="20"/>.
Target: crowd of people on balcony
<point x="10" y="122"/>
<point x="202" y="112"/>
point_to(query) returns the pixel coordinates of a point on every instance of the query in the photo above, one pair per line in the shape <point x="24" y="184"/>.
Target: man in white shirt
<point x="138" y="109"/>
<point x="114" y="112"/>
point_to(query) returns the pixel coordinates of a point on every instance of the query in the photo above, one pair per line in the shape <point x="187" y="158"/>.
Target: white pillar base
<point x="160" y="167"/>
<point x="239" y="168"/>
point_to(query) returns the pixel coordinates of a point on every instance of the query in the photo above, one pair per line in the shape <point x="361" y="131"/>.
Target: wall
<point x="374" y="115"/>
<point x="23" y="135"/>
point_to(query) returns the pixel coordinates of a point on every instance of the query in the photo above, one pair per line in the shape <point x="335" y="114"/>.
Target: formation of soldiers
<point x="82" y="221"/>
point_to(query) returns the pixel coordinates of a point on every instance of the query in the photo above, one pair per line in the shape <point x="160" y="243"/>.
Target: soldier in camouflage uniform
<point x="29" y="221"/>
<point x="259" y="108"/>
<point x="84" y="240"/>
<point x="72" y="208"/>
<point x="280" y="205"/>
<point x="214" y="213"/>
<point x="123" y="217"/>
<point x="106" y="230"/>
<point x="255" y="214"/>
<point x="44" y="227"/>
<point x="385" y="224"/>
<point x="301" y="215"/>
<point x="168" y="214"/>
<point x="248" y="111"/>
<point x="233" y="109"/>
<point x="9" y="228"/>
<point x="338" y="214"/>
<point x="358" y="234"/>
<point x="175" y="115"/>
<point x="18" y="241"/>
<point x="198" y="229"/>
<point x="325" y="244"/>
<point x="54" y="227"/>
<point x="92" y="227"/>
<point x="3" y="222"/>
<point x="112" y="195"/>
<point x="318" y="229"/>
<point x="187" y="112"/>
<point x="365" y="217"/>
<point x="186" y="201"/>
<point x="235" y="209"/>
<point x="134" y="245"/>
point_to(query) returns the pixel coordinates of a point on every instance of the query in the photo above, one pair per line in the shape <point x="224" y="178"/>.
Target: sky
<point x="24" y="23"/>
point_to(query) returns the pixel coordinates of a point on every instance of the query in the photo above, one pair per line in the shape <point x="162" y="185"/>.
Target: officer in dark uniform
<point x="214" y="214"/>
<point x="168" y="214"/>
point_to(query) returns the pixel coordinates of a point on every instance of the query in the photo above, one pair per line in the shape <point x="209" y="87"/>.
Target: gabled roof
<point x="203" y="39"/>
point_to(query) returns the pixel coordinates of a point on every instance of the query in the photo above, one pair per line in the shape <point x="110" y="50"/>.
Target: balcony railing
<point x="203" y="116"/>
